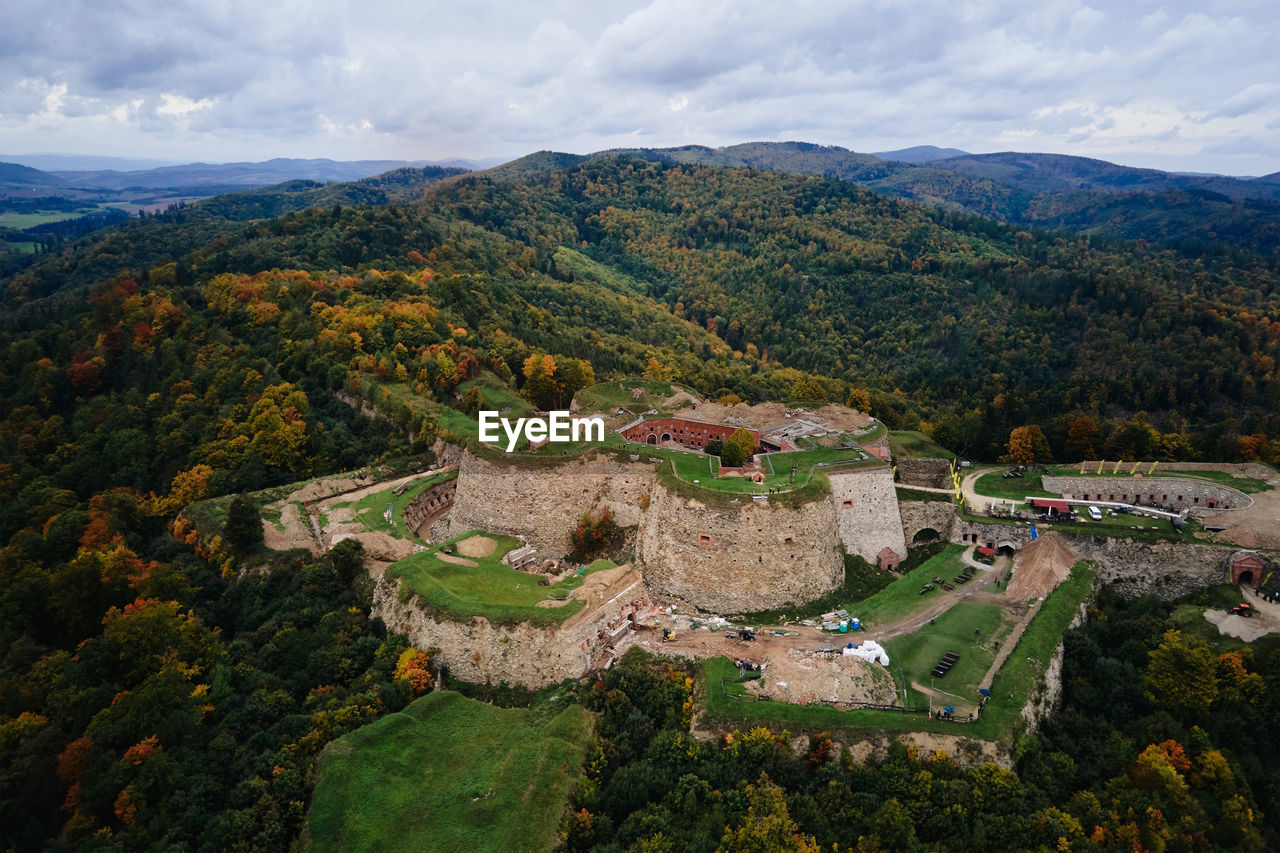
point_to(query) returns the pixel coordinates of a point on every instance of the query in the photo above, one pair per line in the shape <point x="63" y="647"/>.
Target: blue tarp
<point x="1034" y="535"/>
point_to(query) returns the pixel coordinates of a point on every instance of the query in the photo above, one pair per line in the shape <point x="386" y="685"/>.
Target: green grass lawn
<point x="497" y="396"/>
<point x="20" y="221"/>
<point x="608" y="397"/>
<point x="490" y="588"/>
<point x="916" y="444"/>
<point x="875" y="432"/>
<point x="994" y="485"/>
<point x="370" y="509"/>
<point x="210" y="515"/>
<point x="971" y="629"/>
<point x="902" y="597"/>
<point x="1011" y="688"/>
<point x="582" y="267"/>
<point x="449" y="774"/>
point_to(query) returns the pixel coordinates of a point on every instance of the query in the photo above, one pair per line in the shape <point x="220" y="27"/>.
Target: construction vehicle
<point x="668" y="634"/>
<point x="1243" y="610"/>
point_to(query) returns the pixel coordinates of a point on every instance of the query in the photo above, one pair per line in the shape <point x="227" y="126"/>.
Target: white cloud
<point x="382" y="78"/>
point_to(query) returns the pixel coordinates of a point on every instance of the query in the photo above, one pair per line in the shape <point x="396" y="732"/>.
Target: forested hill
<point x="959" y="312"/>
<point x="1038" y="190"/>
<point x="954" y="319"/>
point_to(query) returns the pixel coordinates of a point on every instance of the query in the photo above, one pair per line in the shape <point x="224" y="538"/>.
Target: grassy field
<point x="22" y="247"/>
<point x="906" y="493"/>
<point x="20" y="221"/>
<point x="875" y="433"/>
<point x="902" y="597"/>
<point x="610" y="396"/>
<point x="971" y="629"/>
<point x="490" y="588"/>
<point x="496" y="395"/>
<point x="994" y="485"/>
<point x="449" y="774"/>
<point x="369" y="509"/>
<point x="917" y="445"/>
<point x="1012" y="686"/>
<point x="567" y="260"/>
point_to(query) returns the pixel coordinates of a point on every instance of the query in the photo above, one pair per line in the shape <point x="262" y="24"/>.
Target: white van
<point x="1095" y="513"/>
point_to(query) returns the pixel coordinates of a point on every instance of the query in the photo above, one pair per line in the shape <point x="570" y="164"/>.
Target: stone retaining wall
<point x="866" y="511"/>
<point x="919" y="515"/>
<point x="430" y="503"/>
<point x="756" y="556"/>
<point x="1178" y="492"/>
<point x="542" y="505"/>
<point x="480" y="651"/>
<point x="930" y="473"/>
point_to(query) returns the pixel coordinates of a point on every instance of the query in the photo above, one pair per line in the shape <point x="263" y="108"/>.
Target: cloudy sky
<point x="1172" y="85"/>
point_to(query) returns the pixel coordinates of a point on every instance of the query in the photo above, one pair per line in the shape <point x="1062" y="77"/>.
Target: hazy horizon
<point x="1174" y="87"/>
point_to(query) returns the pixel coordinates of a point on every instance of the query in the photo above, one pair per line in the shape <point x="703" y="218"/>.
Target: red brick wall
<point x="692" y="434"/>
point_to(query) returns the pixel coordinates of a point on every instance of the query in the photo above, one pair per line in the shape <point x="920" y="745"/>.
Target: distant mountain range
<point x="921" y="154"/>
<point x="1050" y="191"/>
<point x="194" y="179"/>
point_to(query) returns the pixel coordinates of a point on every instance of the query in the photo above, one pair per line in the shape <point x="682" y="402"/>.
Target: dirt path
<point x="1010" y="642"/>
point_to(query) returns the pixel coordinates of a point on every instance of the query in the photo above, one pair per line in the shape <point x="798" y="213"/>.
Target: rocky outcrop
<point x="1169" y="570"/>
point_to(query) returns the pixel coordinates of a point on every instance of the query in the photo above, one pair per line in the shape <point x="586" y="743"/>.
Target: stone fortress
<point x="734" y="552"/>
<point x="750" y="555"/>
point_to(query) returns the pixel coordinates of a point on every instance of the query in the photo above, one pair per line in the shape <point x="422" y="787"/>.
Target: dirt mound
<point x="767" y="415"/>
<point x="1040" y="567"/>
<point x="680" y="398"/>
<point x="457" y="561"/>
<point x="803" y="677"/>
<point x="476" y="546"/>
<point x="378" y="545"/>
<point x="295" y="531"/>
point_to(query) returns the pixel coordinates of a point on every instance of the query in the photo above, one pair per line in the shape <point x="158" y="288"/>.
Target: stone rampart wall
<point x="866" y="509"/>
<point x="756" y="556"/>
<point x="480" y="651"/>
<point x="919" y="515"/>
<point x="542" y="505"/>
